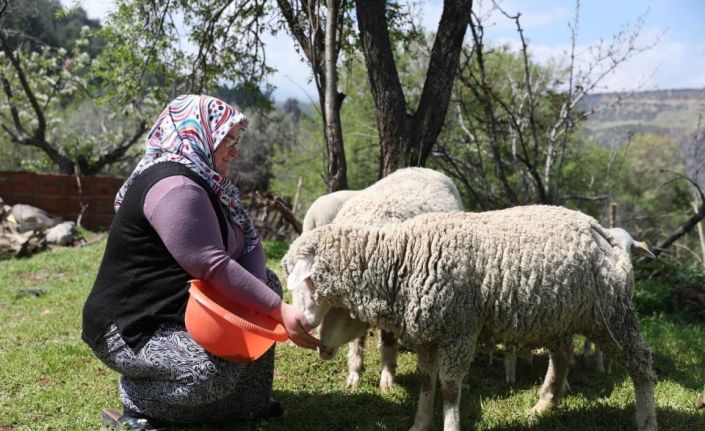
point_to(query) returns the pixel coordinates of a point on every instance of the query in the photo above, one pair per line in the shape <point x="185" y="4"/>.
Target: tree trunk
<point x="407" y="140"/>
<point x="336" y="169"/>
<point x="322" y="56"/>
<point x="701" y="235"/>
<point x="392" y="119"/>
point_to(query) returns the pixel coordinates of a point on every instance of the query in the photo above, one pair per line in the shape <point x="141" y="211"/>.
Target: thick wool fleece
<point x="324" y="209"/>
<point x="443" y="282"/>
<point x="401" y="195"/>
<point x="526" y="275"/>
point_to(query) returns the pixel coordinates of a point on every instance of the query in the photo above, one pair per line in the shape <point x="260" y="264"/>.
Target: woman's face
<point x="227" y="151"/>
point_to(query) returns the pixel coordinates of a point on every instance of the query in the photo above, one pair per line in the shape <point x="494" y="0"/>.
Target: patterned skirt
<point x="173" y="379"/>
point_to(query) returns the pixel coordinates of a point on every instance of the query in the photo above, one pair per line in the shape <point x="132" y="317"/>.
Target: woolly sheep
<point x="613" y="236"/>
<point x="399" y="196"/>
<point x="324" y="209"/>
<point x="442" y="283"/>
<point x="626" y="242"/>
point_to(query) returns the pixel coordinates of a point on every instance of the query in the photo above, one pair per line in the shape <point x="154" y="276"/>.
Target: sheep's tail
<point x="616" y="268"/>
<point x="607" y="325"/>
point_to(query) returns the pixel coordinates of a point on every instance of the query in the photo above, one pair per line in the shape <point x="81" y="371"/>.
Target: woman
<point x="179" y="217"/>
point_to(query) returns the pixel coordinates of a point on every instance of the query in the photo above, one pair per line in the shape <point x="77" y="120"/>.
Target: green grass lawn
<point x="49" y="380"/>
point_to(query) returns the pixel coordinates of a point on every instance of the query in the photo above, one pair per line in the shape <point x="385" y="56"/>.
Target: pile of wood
<point x="25" y="229"/>
<point x="272" y="215"/>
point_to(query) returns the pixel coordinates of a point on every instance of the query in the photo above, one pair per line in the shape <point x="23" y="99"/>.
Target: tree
<point x="407" y="139"/>
<point x="147" y="30"/>
<point x="516" y="122"/>
<point x="693" y="155"/>
<point x="38" y="23"/>
<point x="321" y="49"/>
<point x="299" y="156"/>
<point x="404" y="139"/>
<point x="161" y="49"/>
<point x="270" y="134"/>
<point x="41" y="83"/>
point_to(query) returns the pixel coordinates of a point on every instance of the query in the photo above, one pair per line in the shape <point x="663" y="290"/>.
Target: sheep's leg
<point x="510" y="364"/>
<point x="554" y="383"/>
<point x="356" y="362"/>
<point x="624" y="343"/>
<point x="454" y="364"/>
<point x="450" y="388"/>
<point x="599" y="360"/>
<point x="428" y="369"/>
<point x="528" y="355"/>
<point x="599" y="356"/>
<point x="587" y="346"/>
<point x="388" y="351"/>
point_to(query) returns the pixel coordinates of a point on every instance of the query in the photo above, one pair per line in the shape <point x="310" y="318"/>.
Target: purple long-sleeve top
<point x="183" y="216"/>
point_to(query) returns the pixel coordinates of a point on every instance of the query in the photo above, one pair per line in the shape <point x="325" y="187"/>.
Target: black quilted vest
<point x="139" y="284"/>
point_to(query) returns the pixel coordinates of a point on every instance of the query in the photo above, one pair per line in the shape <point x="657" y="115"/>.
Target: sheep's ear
<point x="303" y="269"/>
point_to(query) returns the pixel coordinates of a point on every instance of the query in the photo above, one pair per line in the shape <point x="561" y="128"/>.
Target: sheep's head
<point x="623" y="239"/>
<point x="303" y="292"/>
<point x="337" y="328"/>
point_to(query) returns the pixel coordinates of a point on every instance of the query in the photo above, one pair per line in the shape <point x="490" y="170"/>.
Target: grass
<point x="49" y="379"/>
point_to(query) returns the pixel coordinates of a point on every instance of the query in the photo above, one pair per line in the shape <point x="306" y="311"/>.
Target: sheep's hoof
<point x="353" y="381"/>
<point x="419" y="427"/>
<point x="540" y="408"/>
<point x="386" y="381"/>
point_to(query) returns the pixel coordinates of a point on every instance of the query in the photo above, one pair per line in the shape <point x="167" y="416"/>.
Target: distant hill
<point x="670" y="112"/>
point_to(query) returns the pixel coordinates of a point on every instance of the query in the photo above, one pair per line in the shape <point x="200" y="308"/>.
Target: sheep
<point x="401" y="195"/>
<point x="324" y="209"/>
<point x="445" y="282"/>
<point x="619" y="237"/>
<point x="626" y="242"/>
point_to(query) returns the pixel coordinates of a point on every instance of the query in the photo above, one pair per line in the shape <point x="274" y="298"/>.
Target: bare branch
<point x="584" y="198"/>
<point x="485" y="97"/>
<point x="7" y="88"/>
<point x="156" y="38"/>
<point x="566" y="110"/>
<point x="529" y="87"/>
<point x="689" y="224"/>
<point x="692" y="182"/>
<point x="118" y="152"/>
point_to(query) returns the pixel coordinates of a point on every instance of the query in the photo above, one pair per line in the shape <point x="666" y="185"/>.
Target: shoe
<point x="130" y="422"/>
<point x="274" y="410"/>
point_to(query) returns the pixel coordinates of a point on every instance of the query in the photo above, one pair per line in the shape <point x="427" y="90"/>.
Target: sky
<point x="675" y="26"/>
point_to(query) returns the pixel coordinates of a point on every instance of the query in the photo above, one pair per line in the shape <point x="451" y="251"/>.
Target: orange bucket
<point x="227" y="329"/>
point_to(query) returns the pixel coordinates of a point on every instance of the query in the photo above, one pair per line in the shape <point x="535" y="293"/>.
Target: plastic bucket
<point x="227" y="329"/>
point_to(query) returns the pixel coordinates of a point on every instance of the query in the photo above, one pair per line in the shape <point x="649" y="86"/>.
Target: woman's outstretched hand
<point x="296" y="325"/>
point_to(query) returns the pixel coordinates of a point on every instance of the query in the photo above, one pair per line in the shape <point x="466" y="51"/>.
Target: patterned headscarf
<point x="188" y="131"/>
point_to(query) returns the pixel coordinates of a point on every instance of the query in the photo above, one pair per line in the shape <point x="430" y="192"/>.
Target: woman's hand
<point x="296" y="325"/>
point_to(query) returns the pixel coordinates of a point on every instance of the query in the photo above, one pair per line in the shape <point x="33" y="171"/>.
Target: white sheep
<point x="442" y="283"/>
<point x="324" y="209"/>
<point x="626" y="242"/>
<point x="399" y="196"/>
<point x="612" y="237"/>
